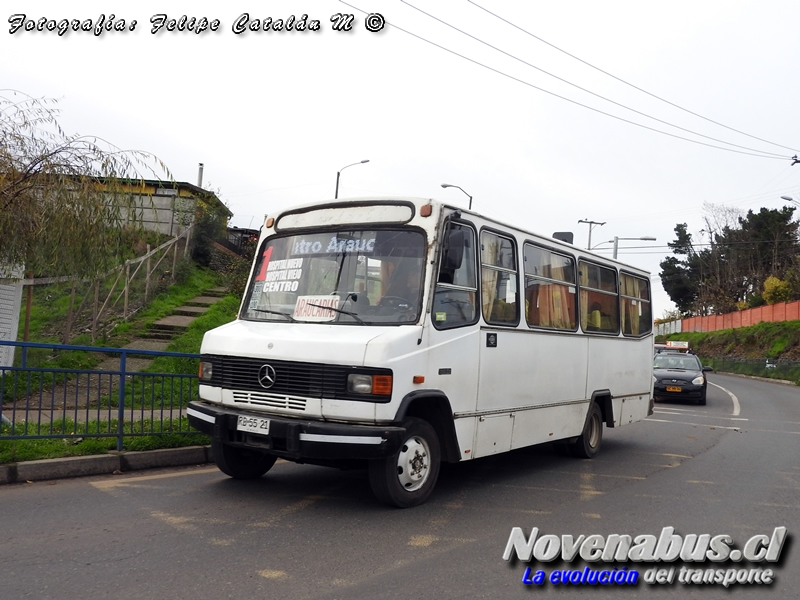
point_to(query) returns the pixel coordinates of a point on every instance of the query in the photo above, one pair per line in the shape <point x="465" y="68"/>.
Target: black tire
<point x="407" y="477"/>
<point x="702" y="400"/>
<point x="241" y="463"/>
<point x="588" y="443"/>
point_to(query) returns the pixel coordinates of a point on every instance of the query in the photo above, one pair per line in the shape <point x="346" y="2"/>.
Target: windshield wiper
<point x="275" y="312"/>
<point x="338" y="310"/>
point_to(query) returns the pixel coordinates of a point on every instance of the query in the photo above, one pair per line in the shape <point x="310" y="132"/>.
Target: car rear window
<point x="676" y="361"/>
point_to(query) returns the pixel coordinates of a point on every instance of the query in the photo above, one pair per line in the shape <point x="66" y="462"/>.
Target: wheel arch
<point x="434" y="407"/>
<point x="603" y="400"/>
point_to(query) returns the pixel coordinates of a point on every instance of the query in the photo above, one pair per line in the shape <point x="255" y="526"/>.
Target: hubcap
<point x="413" y="464"/>
<point x="594" y="431"/>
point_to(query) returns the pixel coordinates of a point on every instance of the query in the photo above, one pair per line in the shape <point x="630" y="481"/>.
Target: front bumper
<point x="298" y="439"/>
<point x="688" y="392"/>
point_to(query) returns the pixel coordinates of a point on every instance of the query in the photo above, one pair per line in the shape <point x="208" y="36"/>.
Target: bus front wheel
<point x="407" y="477"/>
<point x="241" y="463"/>
<point x="588" y="443"/>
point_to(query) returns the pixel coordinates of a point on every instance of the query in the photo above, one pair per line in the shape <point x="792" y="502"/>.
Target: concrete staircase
<point x="169" y="327"/>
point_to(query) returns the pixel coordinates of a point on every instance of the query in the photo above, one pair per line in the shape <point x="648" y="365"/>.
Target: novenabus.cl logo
<point x="266" y="376"/>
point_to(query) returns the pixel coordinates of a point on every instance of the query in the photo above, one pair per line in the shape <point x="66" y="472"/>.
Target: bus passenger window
<point x="550" y="291"/>
<point x="599" y="303"/>
<point x="498" y="280"/>
<point x="636" y="316"/>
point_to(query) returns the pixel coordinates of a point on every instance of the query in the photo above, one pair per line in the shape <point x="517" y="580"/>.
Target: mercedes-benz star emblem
<point x="266" y="376"/>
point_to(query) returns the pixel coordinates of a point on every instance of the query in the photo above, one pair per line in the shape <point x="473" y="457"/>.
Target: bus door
<point x="453" y="342"/>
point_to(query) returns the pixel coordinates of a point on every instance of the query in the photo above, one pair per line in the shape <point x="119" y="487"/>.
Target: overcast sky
<point x="274" y="115"/>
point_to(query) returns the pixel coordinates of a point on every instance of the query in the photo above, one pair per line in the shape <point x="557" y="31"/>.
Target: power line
<point x="638" y="112"/>
<point x="480" y="64"/>
<point x="626" y="82"/>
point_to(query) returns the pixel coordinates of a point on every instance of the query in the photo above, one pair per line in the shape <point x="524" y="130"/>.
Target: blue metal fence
<point x="116" y="399"/>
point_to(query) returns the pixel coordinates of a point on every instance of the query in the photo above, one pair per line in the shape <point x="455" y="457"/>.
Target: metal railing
<point x="788" y="370"/>
<point x="115" y="399"/>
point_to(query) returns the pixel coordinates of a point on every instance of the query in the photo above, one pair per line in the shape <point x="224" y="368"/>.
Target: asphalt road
<point x="304" y="532"/>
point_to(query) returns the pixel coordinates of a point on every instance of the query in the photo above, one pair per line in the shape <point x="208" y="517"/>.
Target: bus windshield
<point x="350" y="276"/>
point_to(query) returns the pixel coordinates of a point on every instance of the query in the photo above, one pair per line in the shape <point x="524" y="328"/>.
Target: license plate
<point x="253" y="425"/>
<point x="670" y="388"/>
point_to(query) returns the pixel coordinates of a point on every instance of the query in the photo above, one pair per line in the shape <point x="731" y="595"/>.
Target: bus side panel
<point x="526" y="368"/>
<point x="630" y="410"/>
<point x="624" y="366"/>
<point x="451" y="362"/>
<point x="494" y="434"/>
<point x="548" y="424"/>
<point x="540" y="372"/>
<point x="465" y="431"/>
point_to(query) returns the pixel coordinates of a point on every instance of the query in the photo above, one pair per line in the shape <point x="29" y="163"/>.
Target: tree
<point x="730" y="272"/>
<point x="64" y="199"/>
<point x="776" y="290"/>
<point x="681" y="278"/>
<point x="210" y="222"/>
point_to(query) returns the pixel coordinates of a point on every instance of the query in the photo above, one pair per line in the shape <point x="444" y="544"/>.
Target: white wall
<point x="10" y="303"/>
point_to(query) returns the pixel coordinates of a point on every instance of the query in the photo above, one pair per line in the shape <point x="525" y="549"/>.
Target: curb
<point x="104" y="464"/>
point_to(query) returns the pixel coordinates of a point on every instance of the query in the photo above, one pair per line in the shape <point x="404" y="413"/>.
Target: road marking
<point x="180" y="523"/>
<point x="694" y="424"/>
<point x="592" y="516"/>
<point x="748" y="430"/>
<point x="269" y="574"/>
<point x="102" y="485"/>
<point x="422" y="541"/>
<point x="701" y="481"/>
<point x="588" y="489"/>
<point x="736" y="407"/>
<point x="221" y="542"/>
<point x="288" y="510"/>
<point x="547" y="489"/>
<point x="594" y="474"/>
<point x="698" y="414"/>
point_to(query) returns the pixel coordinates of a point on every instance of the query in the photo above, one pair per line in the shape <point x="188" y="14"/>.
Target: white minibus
<point x="397" y="333"/>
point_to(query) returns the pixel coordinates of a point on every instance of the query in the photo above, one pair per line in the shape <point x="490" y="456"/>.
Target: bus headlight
<point x="205" y="371"/>
<point x="358" y="383"/>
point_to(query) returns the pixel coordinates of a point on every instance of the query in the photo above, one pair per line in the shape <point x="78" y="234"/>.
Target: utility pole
<point x="591" y="225"/>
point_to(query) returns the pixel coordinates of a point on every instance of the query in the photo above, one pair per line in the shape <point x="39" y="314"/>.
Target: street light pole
<point x="447" y="185"/>
<point x="790" y="199"/>
<point x="591" y="225"/>
<point x="616" y="240"/>
<point x="336" y="195"/>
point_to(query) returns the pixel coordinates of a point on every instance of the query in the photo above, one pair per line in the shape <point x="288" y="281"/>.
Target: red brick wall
<point x="782" y="311"/>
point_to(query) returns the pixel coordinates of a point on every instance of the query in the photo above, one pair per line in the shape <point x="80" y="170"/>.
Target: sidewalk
<point x="104" y="464"/>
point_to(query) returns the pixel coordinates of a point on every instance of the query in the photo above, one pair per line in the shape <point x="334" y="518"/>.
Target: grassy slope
<point x="746" y="350"/>
<point x="765" y="340"/>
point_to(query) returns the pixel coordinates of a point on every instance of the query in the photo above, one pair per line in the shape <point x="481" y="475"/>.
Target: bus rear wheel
<point x="407" y="477"/>
<point x="241" y="463"/>
<point x="588" y="443"/>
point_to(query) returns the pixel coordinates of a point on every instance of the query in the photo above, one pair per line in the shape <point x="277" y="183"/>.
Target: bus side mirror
<point x="453" y="250"/>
